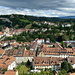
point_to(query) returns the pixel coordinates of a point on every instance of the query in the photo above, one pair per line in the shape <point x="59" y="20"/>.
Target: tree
<point x="64" y="65"/>
<point x="69" y="46"/>
<point x="70" y="66"/>
<point x="59" y="39"/>
<point x="0" y="28"/>
<point x="22" y="63"/>
<point x="74" y="26"/>
<point x="28" y="63"/>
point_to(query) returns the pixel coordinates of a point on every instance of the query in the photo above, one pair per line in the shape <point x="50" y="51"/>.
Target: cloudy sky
<point x="48" y="8"/>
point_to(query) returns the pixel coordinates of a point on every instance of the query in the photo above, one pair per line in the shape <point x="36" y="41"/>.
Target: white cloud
<point x="35" y="12"/>
<point x="67" y="9"/>
<point x="48" y="8"/>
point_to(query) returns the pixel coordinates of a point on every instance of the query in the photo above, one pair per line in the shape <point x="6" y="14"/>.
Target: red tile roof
<point x="10" y="72"/>
<point x="46" y="61"/>
<point x="2" y="51"/>
<point x="16" y="43"/>
<point x="1" y="33"/>
<point x="29" y="53"/>
<point x="5" y="61"/>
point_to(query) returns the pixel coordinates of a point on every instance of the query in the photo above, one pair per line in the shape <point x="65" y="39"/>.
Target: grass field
<point x="22" y="69"/>
<point x="28" y="26"/>
<point x="24" y="20"/>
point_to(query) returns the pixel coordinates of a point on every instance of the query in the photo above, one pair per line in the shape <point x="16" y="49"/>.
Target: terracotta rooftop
<point x="71" y="74"/>
<point x="47" y="50"/>
<point x="2" y="51"/>
<point x="15" y="52"/>
<point x="33" y="45"/>
<point x="5" y="61"/>
<point x="71" y="60"/>
<point x="19" y="30"/>
<point x="1" y="33"/>
<point x="29" y="53"/>
<point x="26" y="43"/>
<point x="46" y="61"/>
<point x="10" y="72"/>
<point x="16" y="43"/>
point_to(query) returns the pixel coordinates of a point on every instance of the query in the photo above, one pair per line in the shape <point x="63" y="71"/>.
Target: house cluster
<point x="66" y="25"/>
<point x="21" y="54"/>
<point x="51" y="23"/>
<point x="10" y="44"/>
<point x="51" y="62"/>
<point x="42" y="54"/>
<point x="52" y="55"/>
<point x="9" y="64"/>
<point x="31" y="30"/>
<point x="10" y="31"/>
<point x="56" y="51"/>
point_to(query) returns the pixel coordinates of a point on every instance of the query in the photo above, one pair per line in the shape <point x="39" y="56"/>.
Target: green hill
<point x="24" y="21"/>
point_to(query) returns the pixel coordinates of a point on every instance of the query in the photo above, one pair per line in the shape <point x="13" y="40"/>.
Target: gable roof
<point x="47" y="61"/>
<point x="5" y="61"/>
<point x="29" y="53"/>
<point x="2" y="51"/>
<point x="1" y="33"/>
<point x="10" y="72"/>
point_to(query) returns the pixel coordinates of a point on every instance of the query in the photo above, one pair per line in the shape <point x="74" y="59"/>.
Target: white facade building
<point x="23" y="59"/>
<point x="11" y="66"/>
<point x="39" y="41"/>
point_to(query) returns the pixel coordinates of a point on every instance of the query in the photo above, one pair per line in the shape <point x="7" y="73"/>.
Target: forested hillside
<point x="21" y="21"/>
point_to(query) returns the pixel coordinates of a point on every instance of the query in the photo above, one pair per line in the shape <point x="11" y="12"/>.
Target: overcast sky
<point x="48" y="8"/>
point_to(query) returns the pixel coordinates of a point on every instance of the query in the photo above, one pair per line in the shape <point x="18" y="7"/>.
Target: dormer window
<point x="19" y="52"/>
